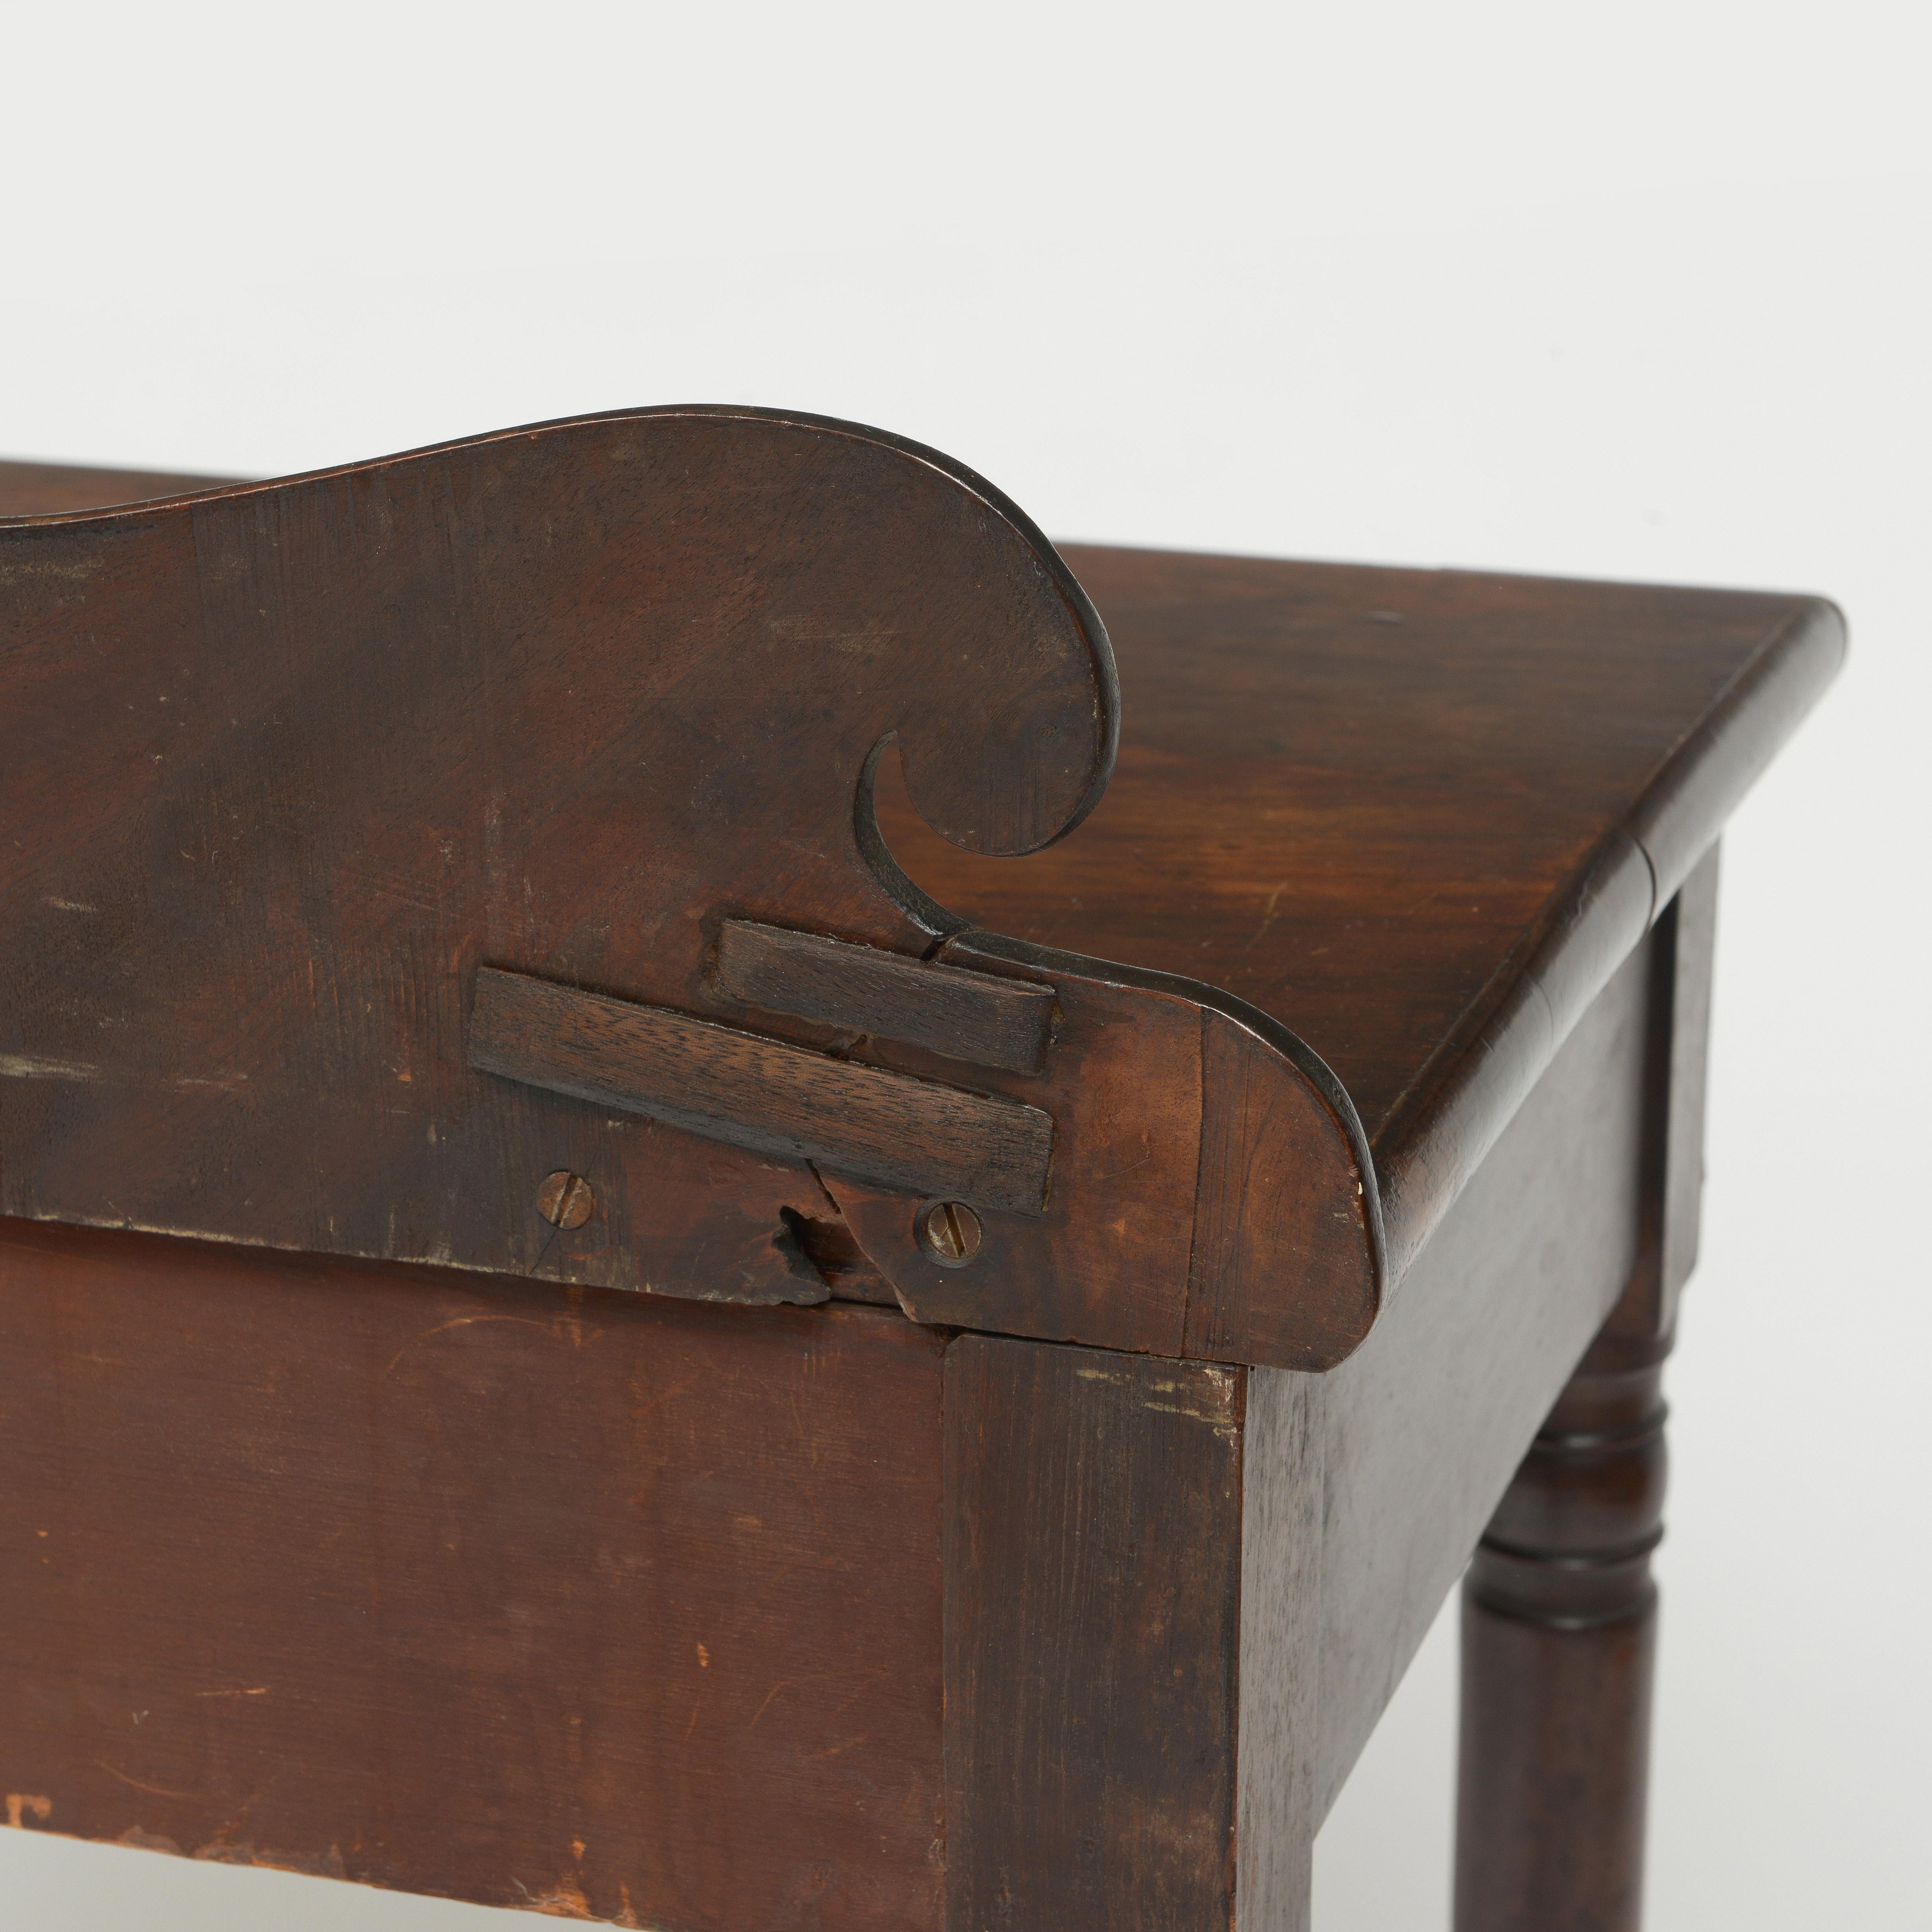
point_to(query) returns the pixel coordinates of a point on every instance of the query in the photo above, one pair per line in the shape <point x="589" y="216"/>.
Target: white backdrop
<point x="1643" y="292"/>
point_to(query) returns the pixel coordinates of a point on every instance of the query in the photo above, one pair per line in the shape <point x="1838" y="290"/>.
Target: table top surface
<point x="1390" y="808"/>
<point x="1351" y="795"/>
<point x="1382" y="804"/>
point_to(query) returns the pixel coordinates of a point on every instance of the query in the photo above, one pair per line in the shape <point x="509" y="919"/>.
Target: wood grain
<point x="760" y="1093"/>
<point x="1283" y="1197"/>
<point x="1107" y="1263"/>
<point x="560" y="699"/>
<point x="1278" y="1742"/>
<point x="1398" y="826"/>
<point x="959" y="1015"/>
<point x="419" y="820"/>
<point x="1354" y="1490"/>
<point x="1093" y="1567"/>
<point x="1416" y="816"/>
<point x="483" y="1547"/>
<point x="542" y="1597"/>
<point x="1418" y="1434"/>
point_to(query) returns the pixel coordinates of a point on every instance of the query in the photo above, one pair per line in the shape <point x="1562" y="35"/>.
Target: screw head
<point x="566" y="1200"/>
<point x="950" y="1232"/>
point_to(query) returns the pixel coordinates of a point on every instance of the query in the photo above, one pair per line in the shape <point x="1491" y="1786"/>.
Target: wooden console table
<point x="613" y="1302"/>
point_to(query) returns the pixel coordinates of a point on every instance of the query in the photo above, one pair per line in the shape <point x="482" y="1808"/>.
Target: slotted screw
<point x="566" y="1200"/>
<point x="951" y="1232"/>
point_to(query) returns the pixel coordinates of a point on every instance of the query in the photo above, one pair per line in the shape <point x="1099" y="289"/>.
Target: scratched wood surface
<point x="1116" y="1702"/>
<point x="1426" y="820"/>
<point x="583" y="702"/>
<point x="565" y="1600"/>
<point x="560" y="700"/>
<point x="1093" y="1566"/>
<point x="1417" y="817"/>
<point x="1398" y="828"/>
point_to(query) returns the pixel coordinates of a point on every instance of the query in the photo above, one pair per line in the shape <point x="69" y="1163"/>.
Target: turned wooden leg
<point x="1559" y="1636"/>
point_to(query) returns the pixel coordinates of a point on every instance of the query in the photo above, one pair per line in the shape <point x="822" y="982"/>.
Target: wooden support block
<point x="973" y="1016"/>
<point x="887" y="1128"/>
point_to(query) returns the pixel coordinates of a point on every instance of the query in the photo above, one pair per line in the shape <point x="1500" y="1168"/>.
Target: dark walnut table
<point x="612" y="1303"/>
